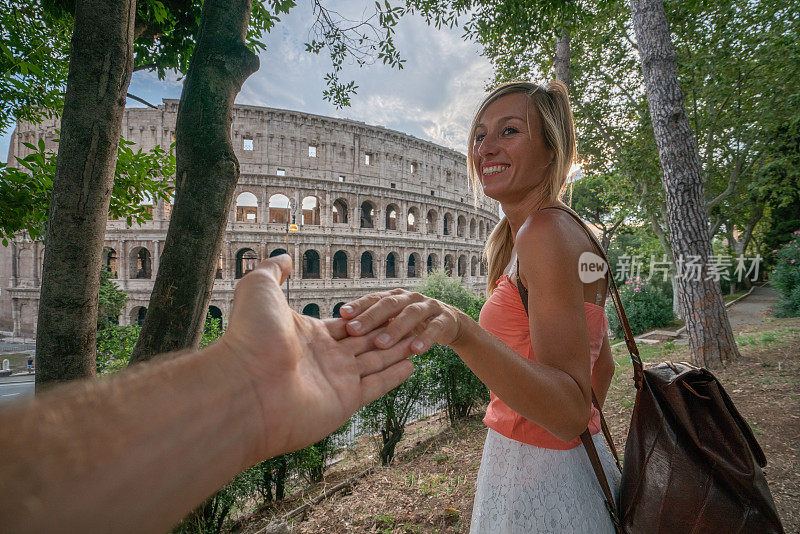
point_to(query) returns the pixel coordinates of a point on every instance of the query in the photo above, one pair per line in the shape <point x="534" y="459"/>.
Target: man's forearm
<point x="96" y="446"/>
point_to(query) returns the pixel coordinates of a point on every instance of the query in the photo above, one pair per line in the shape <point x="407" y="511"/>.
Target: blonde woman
<point x="541" y="366"/>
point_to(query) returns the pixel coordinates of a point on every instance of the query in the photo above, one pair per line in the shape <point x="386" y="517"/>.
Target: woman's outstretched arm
<point x="553" y="391"/>
<point x="136" y="452"/>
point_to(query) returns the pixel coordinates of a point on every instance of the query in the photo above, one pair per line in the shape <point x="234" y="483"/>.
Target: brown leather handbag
<point x="691" y="462"/>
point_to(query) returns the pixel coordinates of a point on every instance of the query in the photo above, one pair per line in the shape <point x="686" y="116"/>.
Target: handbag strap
<point x="636" y="361"/>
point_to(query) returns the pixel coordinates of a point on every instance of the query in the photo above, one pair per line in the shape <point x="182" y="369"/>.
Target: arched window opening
<point x="367" y="214"/>
<point x="366" y="266"/>
<point x="449" y="264"/>
<point x="391" y="217"/>
<point x="278" y="208"/>
<point x="247" y="208"/>
<point x="311" y="310"/>
<point x="340" y="212"/>
<point x="473" y="271"/>
<point x="340" y="264"/>
<point x="391" y="265"/>
<point x="277" y="252"/>
<point x="411" y="220"/>
<point x="110" y="261"/>
<point x="215" y="313"/>
<point x="462" y="266"/>
<point x="413" y="263"/>
<point x="472" y="228"/>
<point x="141" y="265"/>
<point x="310" y="211"/>
<point x="430" y="222"/>
<point x="336" y="310"/>
<point x="461" y="227"/>
<point x="138" y="315"/>
<point x="311" y="264"/>
<point x="433" y="263"/>
<point x="483" y="268"/>
<point x="448" y="224"/>
<point x="246" y="261"/>
<point x="481" y="230"/>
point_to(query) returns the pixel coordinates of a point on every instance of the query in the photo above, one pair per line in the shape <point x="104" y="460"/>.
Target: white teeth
<point x="494" y="169"/>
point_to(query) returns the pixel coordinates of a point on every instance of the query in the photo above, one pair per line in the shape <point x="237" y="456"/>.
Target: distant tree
<point x="111" y="300"/>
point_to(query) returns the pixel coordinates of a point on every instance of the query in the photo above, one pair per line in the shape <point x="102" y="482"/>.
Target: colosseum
<point x="360" y="208"/>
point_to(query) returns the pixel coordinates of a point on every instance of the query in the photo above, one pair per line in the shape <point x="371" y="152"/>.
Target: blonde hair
<point x="551" y="102"/>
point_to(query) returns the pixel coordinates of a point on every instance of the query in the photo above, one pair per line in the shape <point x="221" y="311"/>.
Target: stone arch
<point x="310" y="211"/>
<point x="277" y="252"/>
<point x="340" y="211"/>
<point x="367" y="215"/>
<point x="482" y="230"/>
<point x="110" y="261"/>
<point x="336" y="310"/>
<point x="339" y="269"/>
<point x="462" y="266"/>
<point x="473" y="226"/>
<point x="246" y="261"/>
<point x="432" y="263"/>
<point x="215" y="313"/>
<point x="140" y="263"/>
<point x="473" y="271"/>
<point x="137" y="315"/>
<point x="483" y="268"/>
<point x="430" y="221"/>
<point x="461" y="226"/>
<point x="414" y="266"/>
<point x="367" y="267"/>
<point x="391" y="217"/>
<point x="412" y="220"/>
<point x="246" y="208"/>
<point x="312" y="310"/>
<point x="278" y="208"/>
<point x="311" y="264"/>
<point x="449" y="264"/>
<point x="447" y="228"/>
<point x="391" y="265"/>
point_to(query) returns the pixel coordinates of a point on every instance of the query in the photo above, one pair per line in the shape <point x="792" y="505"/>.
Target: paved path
<point x="753" y="308"/>
<point x="16" y="387"/>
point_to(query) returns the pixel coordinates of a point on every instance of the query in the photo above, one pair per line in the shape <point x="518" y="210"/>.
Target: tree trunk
<point x="100" y="68"/>
<point x="207" y="173"/>
<point x="710" y="336"/>
<point x="562" y="59"/>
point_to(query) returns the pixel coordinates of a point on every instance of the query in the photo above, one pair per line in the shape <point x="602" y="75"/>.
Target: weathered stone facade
<point x="374" y="209"/>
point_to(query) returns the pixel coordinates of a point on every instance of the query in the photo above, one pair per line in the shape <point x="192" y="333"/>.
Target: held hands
<point x="308" y="375"/>
<point x="407" y="314"/>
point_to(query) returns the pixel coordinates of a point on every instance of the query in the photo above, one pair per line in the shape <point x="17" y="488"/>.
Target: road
<point x="16" y="387"/>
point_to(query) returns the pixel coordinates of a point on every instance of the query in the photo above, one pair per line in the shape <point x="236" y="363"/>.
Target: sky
<point x="433" y="97"/>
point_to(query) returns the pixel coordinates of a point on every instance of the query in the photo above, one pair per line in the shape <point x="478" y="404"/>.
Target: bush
<point x="646" y="307"/>
<point x="451" y="380"/>
<point x="786" y="277"/>
<point x="389" y="414"/>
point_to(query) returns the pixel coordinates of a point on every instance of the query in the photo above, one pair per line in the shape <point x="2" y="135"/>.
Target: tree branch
<point x="142" y="100"/>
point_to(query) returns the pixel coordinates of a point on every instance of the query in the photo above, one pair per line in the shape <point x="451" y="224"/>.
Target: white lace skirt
<point x="525" y="489"/>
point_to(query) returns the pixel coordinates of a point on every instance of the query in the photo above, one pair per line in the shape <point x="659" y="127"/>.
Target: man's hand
<point x="308" y="375"/>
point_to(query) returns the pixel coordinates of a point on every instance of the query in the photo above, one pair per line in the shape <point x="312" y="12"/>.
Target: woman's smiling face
<point x="510" y="154"/>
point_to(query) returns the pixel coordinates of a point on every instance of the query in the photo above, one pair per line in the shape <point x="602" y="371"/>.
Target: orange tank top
<point x="504" y="316"/>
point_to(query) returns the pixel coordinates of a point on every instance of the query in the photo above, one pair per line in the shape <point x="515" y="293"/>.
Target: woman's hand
<point x="308" y="375"/>
<point x="399" y="313"/>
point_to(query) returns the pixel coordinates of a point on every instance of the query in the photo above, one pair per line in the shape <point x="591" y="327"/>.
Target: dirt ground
<point x="430" y="486"/>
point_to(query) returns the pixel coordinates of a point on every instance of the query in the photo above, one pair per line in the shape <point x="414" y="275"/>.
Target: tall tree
<point x="90" y="130"/>
<point x="710" y="334"/>
<point x="207" y="173"/>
